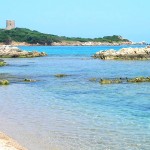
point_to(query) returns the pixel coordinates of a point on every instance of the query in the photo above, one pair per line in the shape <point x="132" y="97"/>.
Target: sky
<point x="81" y="18"/>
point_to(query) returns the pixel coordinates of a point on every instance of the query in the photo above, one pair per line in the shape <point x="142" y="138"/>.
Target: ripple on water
<point x="72" y="112"/>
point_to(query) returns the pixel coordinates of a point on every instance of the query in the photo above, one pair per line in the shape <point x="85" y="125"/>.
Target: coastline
<point x="7" y="143"/>
<point x="74" y="43"/>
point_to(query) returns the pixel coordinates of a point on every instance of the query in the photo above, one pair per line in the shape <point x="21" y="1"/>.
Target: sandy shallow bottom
<point x="6" y="143"/>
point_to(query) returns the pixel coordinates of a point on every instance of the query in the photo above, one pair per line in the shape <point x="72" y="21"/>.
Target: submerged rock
<point x="121" y="80"/>
<point x="124" y="80"/>
<point x="61" y="75"/>
<point x="110" y="81"/>
<point x="93" y="79"/>
<point x="15" y="52"/>
<point x="4" y="82"/>
<point x="124" y="54"/>
<point x="139" y="79"/>
<point x="2" y="63"/>
<point x="29" y="80"/>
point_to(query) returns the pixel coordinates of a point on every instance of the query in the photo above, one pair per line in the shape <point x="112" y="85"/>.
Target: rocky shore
<point x="6" y="143"/>
<point x="73" y="43"/>
<point x="90" y="43"/>
<point x="120" y="80"/>
<point x="14" y="52"/>
<point x="125" y="54"/>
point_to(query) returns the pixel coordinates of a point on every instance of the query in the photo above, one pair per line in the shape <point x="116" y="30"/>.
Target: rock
<point x="89" y="43"/>
<point x="93" y="79"/>
<point x="139" y="79"/>
<point x="60" y="75"/>
<point x="125" y="80"/>
<point x="29" y="80"/>
<point x="4" y="82"/>
<point x="15" y="52"/>
<point x="124" y="54"/>
<point x="110" y="81"/>
<point x="2" y="63"/>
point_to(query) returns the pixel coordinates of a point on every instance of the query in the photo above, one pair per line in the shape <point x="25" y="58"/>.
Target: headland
<point x="27" y="37"/>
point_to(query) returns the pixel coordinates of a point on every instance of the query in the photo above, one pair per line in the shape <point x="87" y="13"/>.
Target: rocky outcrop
<point x="4" y="82"/>
<point x="121" y="80"/>
<point x="139" y="79"/>
<point x="124" y="54"/>
<point x="15" y="52"/>
<point x="110" y="81"/>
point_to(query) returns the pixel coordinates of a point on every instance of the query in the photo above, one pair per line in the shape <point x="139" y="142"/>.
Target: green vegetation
<point x="2" y="63"/>
<point x="26" y="35"/>
<point x="35" y="37"/>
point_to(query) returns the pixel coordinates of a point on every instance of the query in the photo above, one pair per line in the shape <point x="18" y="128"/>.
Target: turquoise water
<point x="73" y="113"/>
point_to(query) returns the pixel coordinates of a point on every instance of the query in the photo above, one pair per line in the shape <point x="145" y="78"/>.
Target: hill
<point x="34" y="37"/>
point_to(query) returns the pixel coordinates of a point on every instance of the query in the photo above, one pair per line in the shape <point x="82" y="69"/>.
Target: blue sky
<point x="81" y="18"/>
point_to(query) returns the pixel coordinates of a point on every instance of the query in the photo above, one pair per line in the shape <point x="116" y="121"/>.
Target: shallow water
<point x="73" y="113"/>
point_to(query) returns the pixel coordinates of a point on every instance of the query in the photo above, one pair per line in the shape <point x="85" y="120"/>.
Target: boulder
<point x="4" y="82"/>
<point x="14" y="52"/>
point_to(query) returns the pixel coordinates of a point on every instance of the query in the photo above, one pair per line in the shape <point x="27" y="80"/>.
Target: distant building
<point x="10" y="24"/>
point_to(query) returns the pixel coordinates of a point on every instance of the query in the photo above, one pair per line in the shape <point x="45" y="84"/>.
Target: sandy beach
<point x="7" y="143"/>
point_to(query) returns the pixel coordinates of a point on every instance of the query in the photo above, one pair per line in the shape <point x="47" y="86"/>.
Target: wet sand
<point x="7" y="143"/>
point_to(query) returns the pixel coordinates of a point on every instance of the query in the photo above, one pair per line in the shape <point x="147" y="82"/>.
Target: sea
<point x="73" y="113"/>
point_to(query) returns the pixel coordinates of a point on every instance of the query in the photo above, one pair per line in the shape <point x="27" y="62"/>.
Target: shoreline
<point x="75" y="44"/>
<point x="7" y="143"/>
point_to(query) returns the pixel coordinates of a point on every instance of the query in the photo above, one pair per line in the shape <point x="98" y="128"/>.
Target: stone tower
<point x="10" y="24"/>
